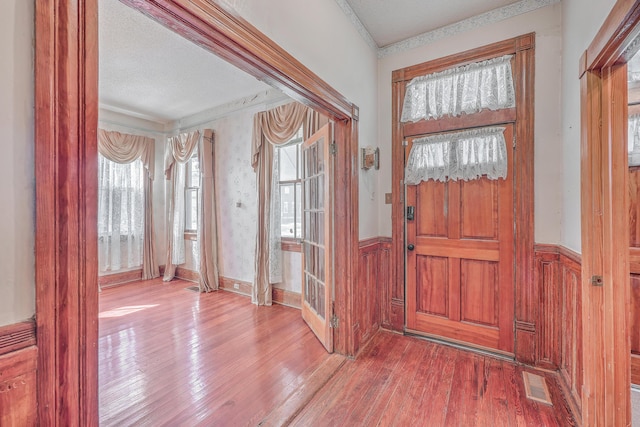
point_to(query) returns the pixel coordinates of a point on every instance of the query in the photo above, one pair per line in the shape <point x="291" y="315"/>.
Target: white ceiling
<point x="392" y="21"/>
<point x="151" y="72"/>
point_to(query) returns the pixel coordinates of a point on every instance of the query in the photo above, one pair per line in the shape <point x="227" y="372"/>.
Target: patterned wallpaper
<point x="236" y="184"/>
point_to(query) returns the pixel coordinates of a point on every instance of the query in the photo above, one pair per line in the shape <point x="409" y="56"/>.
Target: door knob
<point x="411" y="247"/>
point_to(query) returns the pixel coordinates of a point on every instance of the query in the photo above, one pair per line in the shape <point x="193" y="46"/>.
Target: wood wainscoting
<point x="18" y="360"/>
<point x="559" y="331"/>
<point x="373" y="301"/>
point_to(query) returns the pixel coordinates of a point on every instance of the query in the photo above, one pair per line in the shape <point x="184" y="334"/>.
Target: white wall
<point x="545" y="22"/>
<point x="581" y="20"/>
<point x="17" y="192"/>
<point x="318" y="34"/>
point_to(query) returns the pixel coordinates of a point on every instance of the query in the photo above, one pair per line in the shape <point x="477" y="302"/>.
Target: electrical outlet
<point x="236" y="286"/>
<point x="387" y="198"/>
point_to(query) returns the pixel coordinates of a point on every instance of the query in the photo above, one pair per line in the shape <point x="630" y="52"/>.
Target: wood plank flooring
<point x="406" y="381"/>
<point x="169" y="356"/>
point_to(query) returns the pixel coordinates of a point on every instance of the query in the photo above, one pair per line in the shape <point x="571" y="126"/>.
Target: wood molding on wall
<point x="374" y="264"/>
<point x="604" y="191"/>
<point x="119" y="278"/>
<point x="18" y="385"/>
<point x="288" y="298"/>
<point x="559" y="335"/>
<point x="526" y="292"/>
<point x="226" y="284"/>
<point x="17" y="336"/>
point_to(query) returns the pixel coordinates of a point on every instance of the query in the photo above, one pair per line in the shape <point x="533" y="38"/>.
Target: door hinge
<point x="405" y="143"/>
<point x="333" y="149"/>
<point x="335" y="322"/>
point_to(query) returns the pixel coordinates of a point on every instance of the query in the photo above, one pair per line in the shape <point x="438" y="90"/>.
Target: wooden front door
<point x="460" y="255"/>
<point x="317" y="253"/>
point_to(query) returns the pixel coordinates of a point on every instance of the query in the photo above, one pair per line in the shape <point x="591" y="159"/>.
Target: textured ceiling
<point x="391" y="21"/>
<point x="149" y="71"/>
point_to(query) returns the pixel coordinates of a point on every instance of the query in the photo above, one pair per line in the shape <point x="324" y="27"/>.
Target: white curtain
<point x="461" y="155"/>
<point x="634" y="140"/>
<point x="129" y="156"/>
<point x="179" y="151"/>
<point x="120" y="215"/>
<point x="467" y="89"/>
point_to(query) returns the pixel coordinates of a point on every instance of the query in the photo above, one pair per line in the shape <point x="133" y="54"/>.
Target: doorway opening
<point x="66" y="96"/>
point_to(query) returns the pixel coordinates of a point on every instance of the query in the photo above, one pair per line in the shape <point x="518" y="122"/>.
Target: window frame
<point x="293" y="244"/>
<point x="191" y="234"/>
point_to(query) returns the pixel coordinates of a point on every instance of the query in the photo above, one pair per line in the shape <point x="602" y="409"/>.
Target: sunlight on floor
<point x="123" y="311"/>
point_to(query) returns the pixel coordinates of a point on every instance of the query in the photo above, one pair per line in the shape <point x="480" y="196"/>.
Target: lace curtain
<point x="634" y="140"/>
<point x="120" y="214"/>
<point x="467" y="89"/>
<point x="460" y="155"/>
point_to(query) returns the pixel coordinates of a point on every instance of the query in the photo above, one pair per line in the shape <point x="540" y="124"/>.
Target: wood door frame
<point x="66" y="102"/>
<point x="606" y="349"/>
<point x="526" y="294"/>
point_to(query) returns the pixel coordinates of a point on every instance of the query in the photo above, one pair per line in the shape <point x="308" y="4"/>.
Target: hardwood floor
<point x="406" y="381"/>
<point x="170" y="356"/>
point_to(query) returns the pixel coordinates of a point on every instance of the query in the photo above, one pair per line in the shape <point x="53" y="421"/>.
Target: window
<point x="120" y="214"/>
<point x="289" y="183"/>
<point x="191" y="194"/>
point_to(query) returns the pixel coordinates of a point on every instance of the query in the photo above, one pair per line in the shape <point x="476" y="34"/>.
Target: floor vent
<point x="536" y="388"/>
<point x="194" y="288"/>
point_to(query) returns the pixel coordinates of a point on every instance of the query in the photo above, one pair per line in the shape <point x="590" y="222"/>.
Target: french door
<point x="459" y="258"/>
<point x="317" y="241"/>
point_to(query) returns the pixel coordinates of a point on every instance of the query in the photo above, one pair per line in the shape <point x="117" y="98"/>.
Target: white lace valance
<point x="461" y="155"/>
<point x="633" y="142"/>
<point x="467" y="89"/>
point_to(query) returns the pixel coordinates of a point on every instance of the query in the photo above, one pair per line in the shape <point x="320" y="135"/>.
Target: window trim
<point x="191" y="234"/>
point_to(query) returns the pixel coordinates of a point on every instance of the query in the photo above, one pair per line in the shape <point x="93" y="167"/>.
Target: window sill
<point x="291" y="245"/>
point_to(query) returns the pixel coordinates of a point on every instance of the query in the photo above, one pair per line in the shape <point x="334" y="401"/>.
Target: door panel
<point x="317" y="292"/>
<point x="479" y="285"/>
<point x="433" y="205"/>
<point x="460" y="273"/>
<point x="432" y="298"/>
<point x="479" y="209"/>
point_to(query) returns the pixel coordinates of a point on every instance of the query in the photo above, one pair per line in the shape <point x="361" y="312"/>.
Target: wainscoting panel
<point x="18" y="361"/>
<point x="374" y="270"/>
<point x="559" y="333"/>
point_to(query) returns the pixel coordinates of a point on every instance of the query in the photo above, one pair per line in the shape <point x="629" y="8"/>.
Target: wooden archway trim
<point x="605" y="218"/>
<point x="66" y="98"/>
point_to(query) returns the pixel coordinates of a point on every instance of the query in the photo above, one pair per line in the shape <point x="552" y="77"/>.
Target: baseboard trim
<point x="17" y="336"/>
<point x="120" y="278"/>
<point x="288" y="298"/>
<point x="227" y="284"/>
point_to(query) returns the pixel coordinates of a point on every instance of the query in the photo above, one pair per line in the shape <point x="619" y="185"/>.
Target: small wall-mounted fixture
<point x="370" y="157"/>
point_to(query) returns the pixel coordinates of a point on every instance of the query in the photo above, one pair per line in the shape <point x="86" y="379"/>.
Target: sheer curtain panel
<point x="128" y="153"/>
<point x="467" y="89"/>
<point x="120" y="215"/>
<point x="460" y="155"/>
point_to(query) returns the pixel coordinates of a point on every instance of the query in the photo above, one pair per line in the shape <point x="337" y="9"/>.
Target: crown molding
<point x="357" y="23"/>
<point x="477" y="21"/>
